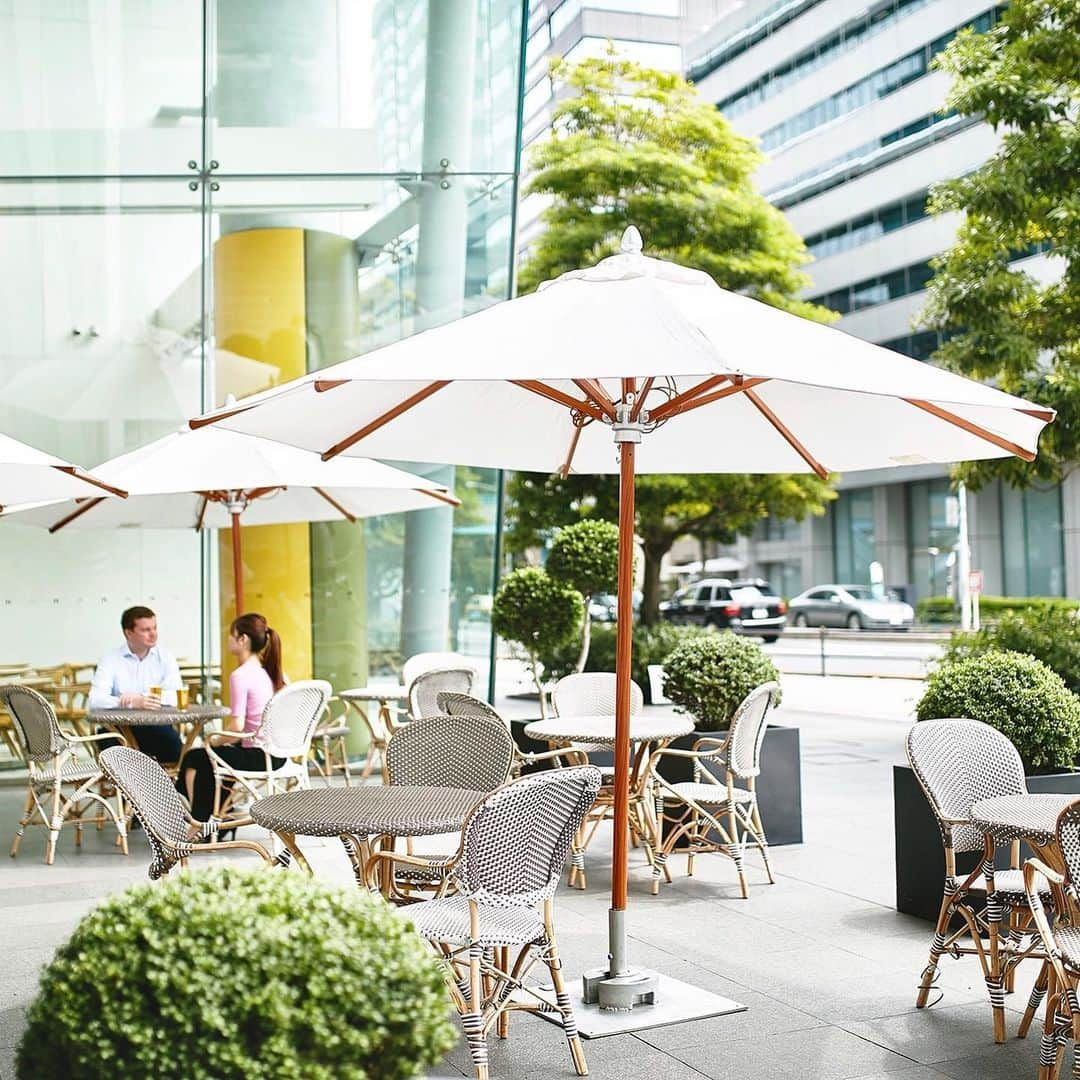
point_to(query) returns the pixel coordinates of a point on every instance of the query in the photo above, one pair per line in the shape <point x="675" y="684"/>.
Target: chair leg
<point x="562" y="1002"/>
<point x="735" y="851"/>
<point x="345" y="770"/>
<point x="760" y="838"/>
<point x="55" y="822"/>
<point x="28" y="813"/>
<point x="1038" y="992"/>
<point x="473" y="1020"/>
<point x="937" y="947"/>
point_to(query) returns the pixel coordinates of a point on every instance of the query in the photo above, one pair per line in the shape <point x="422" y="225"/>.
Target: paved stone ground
<point x="826" y="966"/>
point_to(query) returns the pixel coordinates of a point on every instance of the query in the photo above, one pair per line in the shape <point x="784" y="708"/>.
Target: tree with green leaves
<point x="535" y="611"/>
<point x="586" y="556"/>
<point x="633" y="146"/>
<point x="1002" y="322"/>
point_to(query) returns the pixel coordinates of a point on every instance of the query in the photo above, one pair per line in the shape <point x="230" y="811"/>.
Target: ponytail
<point x="265" y="643"/>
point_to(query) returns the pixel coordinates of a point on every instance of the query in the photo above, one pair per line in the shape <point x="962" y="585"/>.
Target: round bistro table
<point x="647" y="733"/>
<point x="382" y="727"/>
<point x="123" y="720"/>
<point x="355" y="814"/>
<point x="1006" y="819"/>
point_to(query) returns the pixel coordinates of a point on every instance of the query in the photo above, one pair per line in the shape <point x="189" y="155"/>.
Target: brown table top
<point x="167" y="714"/>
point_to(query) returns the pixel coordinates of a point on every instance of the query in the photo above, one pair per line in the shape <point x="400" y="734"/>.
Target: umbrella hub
<point x="627" y="428"/>
<point x="236" y="501"/>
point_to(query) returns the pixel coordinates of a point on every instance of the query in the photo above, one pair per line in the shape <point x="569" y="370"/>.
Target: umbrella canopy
<point x="214" y="478"/>
<point x="29" y="475"/>
<point x="638" y="364"/>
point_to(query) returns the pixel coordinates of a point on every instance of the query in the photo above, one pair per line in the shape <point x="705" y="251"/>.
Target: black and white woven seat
<point x="288" y="726"/>
<point x="506" y="872"/>
<point x="718" y="809"/>
<point x="425" y="689"/>
<point x="64" y="780"/>
<point x="471" y="752"/>
<point x="172" y="833"/>
<point x="959" y="762"/>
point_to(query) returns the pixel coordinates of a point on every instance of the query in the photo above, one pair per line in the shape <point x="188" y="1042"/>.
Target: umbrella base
<point x="619" y="993"/>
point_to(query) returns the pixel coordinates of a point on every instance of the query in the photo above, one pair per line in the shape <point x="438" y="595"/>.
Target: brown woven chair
<point x="173" y="834"/>
<point x="718" y="809"/>
<point x="500" y="923"/>
<point x="64" y="777"/>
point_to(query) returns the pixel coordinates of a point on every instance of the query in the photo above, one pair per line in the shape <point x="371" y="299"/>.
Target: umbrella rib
<point x="77" y="513"/>
<point x="708" y="399"/>
<point x="568" y="400"/>
<point x="680" y="402"/>
<point x="971" y="428"/>
<point x="258" y="493"/>
<point x="90" y="479"/>
<point x="564" y="469"/>
<point x="643" y="393"/>
<point x="202" y="511"/>
<point x="351" y="518"/>
<point x="782" y="428"/>
<point x="591" y="388"/>
<point x="385" y="418"/>
<point x="204" y="421"/>
<point x="441" y="496"/>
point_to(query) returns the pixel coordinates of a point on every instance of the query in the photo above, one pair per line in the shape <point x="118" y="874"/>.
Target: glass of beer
<point x="155" y="692"/>
<point x="182" y="698"/>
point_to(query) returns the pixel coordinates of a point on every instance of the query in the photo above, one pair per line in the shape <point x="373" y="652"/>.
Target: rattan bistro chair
<point x="64" y="778"/>
<point x="957" y="763"/>
<point x="506" y="872"/>
<point x="425" y="689"/>
<point x="1061" y="943"/>
<point x="331" y="752"/>
<point x="288" y="725"/>
<point x="173" y="834"/>
<point x="718" y="809"/>
<point x="470" y="752"/>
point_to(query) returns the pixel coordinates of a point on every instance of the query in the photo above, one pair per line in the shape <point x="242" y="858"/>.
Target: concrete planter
<point x="779" y="786"/>
<point x="920" y="858"/>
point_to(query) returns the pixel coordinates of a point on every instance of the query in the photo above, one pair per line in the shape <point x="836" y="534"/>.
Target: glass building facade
<point x="200" y="199"/>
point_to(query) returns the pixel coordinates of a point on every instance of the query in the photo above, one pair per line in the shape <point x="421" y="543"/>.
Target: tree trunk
<point x="650" y="602"/>
<point x="586" y="638"/>
<point x="534" y="664"/>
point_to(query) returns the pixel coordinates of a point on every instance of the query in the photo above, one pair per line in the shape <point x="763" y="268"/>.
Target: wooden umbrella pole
<point x="238" y="563"/>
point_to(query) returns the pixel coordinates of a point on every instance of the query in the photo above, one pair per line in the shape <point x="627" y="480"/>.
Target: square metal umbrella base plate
<point x="677" y="1002"/>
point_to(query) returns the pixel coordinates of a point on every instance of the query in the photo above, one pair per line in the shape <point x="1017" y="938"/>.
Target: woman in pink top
<point x="258" y="676"/>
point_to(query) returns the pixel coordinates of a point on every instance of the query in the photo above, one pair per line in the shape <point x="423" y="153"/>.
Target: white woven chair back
<point x="424" y="690"/>
<point x="592" y="693"/>
<point x="958" y="762"/>
<point x="35" y="721"/>
<point x="748" y="730"/>
<point x="430" y="661"/>
<point x="149" y="790"/>
<point x="516" y="842"/>
<point x="471" y="752"/>
<point x="291" y="715"/>
<point x="1068" y="832"/>
<point x="452" y="704"/>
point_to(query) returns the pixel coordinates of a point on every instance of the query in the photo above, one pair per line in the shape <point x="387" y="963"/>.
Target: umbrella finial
<point x="631" y="241"/>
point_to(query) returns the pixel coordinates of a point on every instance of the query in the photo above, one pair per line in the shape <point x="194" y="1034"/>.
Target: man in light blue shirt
<point x="125" y="677"/>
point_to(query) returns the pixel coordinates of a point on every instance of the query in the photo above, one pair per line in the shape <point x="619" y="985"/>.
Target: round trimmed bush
<point x="536" y="611"/>
<point x="709" y="676"/>
<point x="238" y="973"/>
<point x="1018" y="695"/>
<point x="586" y="556"/>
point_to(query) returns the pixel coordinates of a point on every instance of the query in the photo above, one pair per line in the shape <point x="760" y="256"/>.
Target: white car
<point x="853" y="606"/>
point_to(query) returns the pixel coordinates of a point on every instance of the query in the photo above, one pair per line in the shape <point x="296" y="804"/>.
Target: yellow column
<point x="260" y="313"/>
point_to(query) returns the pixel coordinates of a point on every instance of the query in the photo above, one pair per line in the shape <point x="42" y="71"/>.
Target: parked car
<point x="604" y="607"/>
<point x="853" y="606"/>
<point x="719" y="602"/>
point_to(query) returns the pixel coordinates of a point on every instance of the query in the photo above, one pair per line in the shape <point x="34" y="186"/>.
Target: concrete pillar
<point x="891" y="532"/>
<point x="984" y="530"/>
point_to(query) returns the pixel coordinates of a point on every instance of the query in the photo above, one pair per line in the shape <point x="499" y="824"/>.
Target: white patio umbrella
<point x="214" y="478"/>
<point x="640" y="365"/>
<point x="29" y="475"/>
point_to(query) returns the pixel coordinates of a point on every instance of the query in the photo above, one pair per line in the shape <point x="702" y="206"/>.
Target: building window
<point x="1032" y="541"/>
<point x="877" y="290"/>
<point x="867" y="227"/>
<point x="853" y="535"/>
<point x="879" y="84"/>
<point x="933" y="516"/>
<point x="920" y="346"/>
<point x="785" y="577"/>
<point x="775" y="528"/>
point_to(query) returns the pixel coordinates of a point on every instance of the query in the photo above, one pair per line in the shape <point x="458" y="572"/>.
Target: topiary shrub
<point x="1051" y="635"/>
<point x="232" y="973"/>
<point x="709" y="676"/>
<point x="585" y="555"/>
<point x="539" y="613"/>
<point x="1018" y="695"/>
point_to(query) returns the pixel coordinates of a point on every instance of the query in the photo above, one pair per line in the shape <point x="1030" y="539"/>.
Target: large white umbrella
<point x="29" y="475"/>
<point x="214" y="478"/>
<point x="637" y="364"/>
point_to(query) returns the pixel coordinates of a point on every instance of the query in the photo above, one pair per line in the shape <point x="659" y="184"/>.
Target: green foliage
<point x="942" y="609"/>
<point x="709" y="676"/>
<point x="632" y="146"/>
<point x="230" y="973"/>
<point x="1050" y="634"/>
<point x="586" y="556"/>
<point x="1007" y="325"/>
<point x="536" y="611"/>
<point x="1018" y="695"/>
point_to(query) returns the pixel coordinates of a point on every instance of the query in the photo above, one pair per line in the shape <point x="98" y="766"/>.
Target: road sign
<point x="975" y="581"/>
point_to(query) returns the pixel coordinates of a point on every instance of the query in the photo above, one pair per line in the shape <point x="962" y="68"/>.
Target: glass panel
<point x="100" y="88"/>
<point x="102" y="353"/>
<point x="334" y="86"/>
<point x="1045" y="555"/>
<point x="1013" y="541"/>
<point x="853" y="534"/>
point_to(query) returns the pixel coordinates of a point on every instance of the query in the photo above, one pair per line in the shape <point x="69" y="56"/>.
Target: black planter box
<point x="920" y="857"/>
<point x="779" y="786"/>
